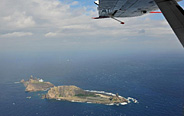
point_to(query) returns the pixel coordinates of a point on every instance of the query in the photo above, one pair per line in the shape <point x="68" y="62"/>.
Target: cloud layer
<point x="67" y="22"/>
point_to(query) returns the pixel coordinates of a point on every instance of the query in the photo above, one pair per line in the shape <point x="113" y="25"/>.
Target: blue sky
<point x="42" y="25"/>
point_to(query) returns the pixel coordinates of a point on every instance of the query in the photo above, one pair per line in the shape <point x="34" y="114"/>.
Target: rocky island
<point x="74" y="94"/>
<point x="36" y="84"/>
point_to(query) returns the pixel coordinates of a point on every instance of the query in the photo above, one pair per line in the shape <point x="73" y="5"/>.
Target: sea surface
<point x="156" y="80"/>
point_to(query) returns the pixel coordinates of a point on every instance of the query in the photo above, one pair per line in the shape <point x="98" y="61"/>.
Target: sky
<point x="53" y="25"/>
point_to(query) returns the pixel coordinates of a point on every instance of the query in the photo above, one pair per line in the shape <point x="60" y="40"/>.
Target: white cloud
<point x="19" y="20"/>
<point x="55" y="19"/>
<point x="54" y="16"/>
<point x="16" y="34"/>
<point x="50" y="34"/>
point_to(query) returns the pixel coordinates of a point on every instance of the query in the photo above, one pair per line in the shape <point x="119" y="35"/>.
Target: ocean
<point x="156" y="80"/>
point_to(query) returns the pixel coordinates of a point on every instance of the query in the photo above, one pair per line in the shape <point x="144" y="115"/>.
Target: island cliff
<point x="36" y="84"/>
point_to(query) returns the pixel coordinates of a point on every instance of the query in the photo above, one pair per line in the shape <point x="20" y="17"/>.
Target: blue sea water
<point x="156" y="80"/>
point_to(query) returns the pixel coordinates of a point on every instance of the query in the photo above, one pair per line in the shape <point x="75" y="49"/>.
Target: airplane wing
<point x="125" y="8"/>
<point x="174" y="15"/>
<point x="130" y="8"/>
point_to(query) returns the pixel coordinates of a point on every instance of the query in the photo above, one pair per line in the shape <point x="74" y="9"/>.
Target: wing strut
<point x="121" y="22"/>
<point x="174" y="14"/>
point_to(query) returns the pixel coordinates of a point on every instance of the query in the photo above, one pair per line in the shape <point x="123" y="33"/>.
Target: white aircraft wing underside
<point x="130" y="8"/>
<point x="125" y="8"/>
<point x="174" y="15"/>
